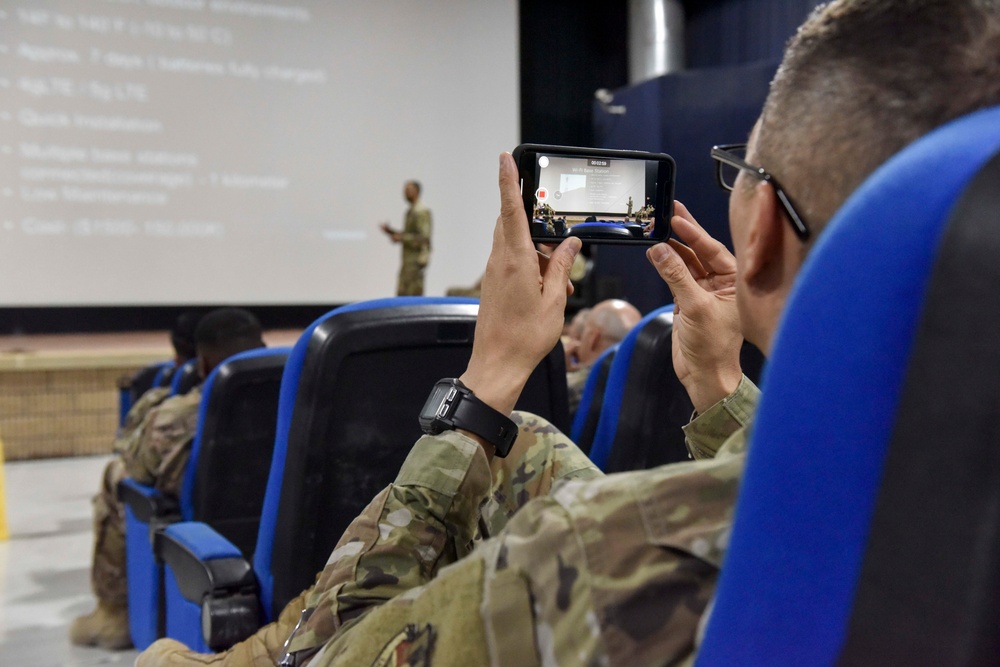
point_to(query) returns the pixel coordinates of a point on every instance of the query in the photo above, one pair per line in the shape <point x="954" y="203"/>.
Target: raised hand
<point x="706" y="335"/>
<point x="522" y="304"/>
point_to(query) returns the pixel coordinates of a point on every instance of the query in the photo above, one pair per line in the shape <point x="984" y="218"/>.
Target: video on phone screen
<point x="598" y="197"/>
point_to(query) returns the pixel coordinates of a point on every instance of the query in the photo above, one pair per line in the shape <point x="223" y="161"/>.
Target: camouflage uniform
<point x="576" y="380"/>
<point x="137" y="413"/>
<point x="594" y="570"/>
<point x="416" y="240"/>
<point x="154" y="449"/>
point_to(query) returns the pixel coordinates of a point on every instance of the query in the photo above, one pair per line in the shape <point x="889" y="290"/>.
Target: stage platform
<point x="59" y="393"/>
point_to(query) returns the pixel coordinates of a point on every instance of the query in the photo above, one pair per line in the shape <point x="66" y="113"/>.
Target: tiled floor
<point x="44" y="566"/>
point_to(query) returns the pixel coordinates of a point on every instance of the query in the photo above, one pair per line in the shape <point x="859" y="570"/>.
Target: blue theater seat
<point x="185" y="378"/>
<point x="165" y="375"/>
<point x="614" y="392"/>
<point x="866" y="530"/>
<point x="654" y="405"/>
<point x="588" y="413"/>
<point x="599" y="230"/>
<point x="131" y="389"/>
<point x="223" y="483"/>
<point x="636" y="230"/>
<point x="354" y="385"/>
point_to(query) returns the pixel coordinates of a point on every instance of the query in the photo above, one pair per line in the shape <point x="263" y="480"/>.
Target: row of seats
<point x="633" y="406"/>
<point x="591" y="229"/>
<point x="180" y="378"/>
<point x="291" y="445"/>
<point x="865" y="522"/>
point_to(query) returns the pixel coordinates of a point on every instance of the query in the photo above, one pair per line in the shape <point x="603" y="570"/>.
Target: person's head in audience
<point x="571" y="337"/>
<point x="607" y="323"/>
<point x="411" y="191"/>
<point x="224" y="332"/>
<point x="574" y="327"/>
<point x="859" y="81"/>
<point x="182" y="336"/>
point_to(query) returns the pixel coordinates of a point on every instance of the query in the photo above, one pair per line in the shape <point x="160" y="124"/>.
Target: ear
<point x="763" y="253"/>
<point x="591" y="340"/>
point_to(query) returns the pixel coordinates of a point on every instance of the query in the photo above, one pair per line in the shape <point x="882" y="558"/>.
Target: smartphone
<point x="598" y="195"/>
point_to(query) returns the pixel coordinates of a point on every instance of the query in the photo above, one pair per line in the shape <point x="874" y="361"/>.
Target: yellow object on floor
<point x="3" y="500"/>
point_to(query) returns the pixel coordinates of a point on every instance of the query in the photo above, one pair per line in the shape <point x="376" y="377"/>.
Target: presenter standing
<point x="416" y="240"/>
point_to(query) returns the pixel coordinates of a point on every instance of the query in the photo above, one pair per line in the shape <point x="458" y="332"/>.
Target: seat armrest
<point x="203" y="561"/>
<point x="148" y="504"/>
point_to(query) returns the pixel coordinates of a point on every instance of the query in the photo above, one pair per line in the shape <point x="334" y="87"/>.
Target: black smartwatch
<point x="452" y="405"/>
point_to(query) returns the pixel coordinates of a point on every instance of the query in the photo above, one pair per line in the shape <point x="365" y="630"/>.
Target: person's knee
<point x="106" y="504"/>
<point x="114" y="472"/>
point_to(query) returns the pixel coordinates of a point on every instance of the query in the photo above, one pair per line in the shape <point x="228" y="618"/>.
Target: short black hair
<point x="182" y="335"/>
<point x="226" y="331"/>
<point x="415" y="184"/>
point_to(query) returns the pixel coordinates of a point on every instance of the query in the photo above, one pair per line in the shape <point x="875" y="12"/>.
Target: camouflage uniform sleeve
<point x="425" y="520"/>
<point x="707" y="432"/>
<point x="615" y="570"/>
<point x="158" y="454"/>
<point x="131" y="429"/>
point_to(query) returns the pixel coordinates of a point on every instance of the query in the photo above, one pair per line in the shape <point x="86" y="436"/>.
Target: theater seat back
<point x="614" y="392"/>
<point x="231" y="454"/>
<point x="354" y="385"/>
<point x="654" y="404"/>
<point x="588" y="413"/>
<point x="185" y="378"/>
<point x="867" y="527"/>
<point x="144" y="380"/>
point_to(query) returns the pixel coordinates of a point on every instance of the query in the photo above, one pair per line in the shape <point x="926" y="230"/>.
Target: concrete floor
<point x="45" y="565"/>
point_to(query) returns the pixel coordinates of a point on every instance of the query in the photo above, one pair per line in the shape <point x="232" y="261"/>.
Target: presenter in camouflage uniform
<point x="560" y="565"/>
<point x="416" y="241"/>
<point x="153" y="451"/>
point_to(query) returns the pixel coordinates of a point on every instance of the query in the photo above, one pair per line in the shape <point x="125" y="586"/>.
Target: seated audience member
<point x="573" y="328"/>
<point x="571" y="335"/>
<point x="469" y="559"/>
<point x="155" y="453"/>
<point x="474" y="291"/>
<point x="604" y="325"/>
<point x="182" y="340"/>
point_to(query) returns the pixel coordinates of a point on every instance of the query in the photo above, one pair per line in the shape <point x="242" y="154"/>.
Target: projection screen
<point x="229" y="151"/>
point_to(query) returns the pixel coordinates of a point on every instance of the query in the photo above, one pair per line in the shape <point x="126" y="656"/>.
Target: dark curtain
<point x="682" y="114"/>
<point x="732" y="32"/>
<point x="568" y="49"/>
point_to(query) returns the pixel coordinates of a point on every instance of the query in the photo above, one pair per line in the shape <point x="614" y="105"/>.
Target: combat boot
<point x="105" y="627"/>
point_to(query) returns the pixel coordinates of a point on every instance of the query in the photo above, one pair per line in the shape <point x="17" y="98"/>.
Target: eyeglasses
<point x="728" y="163"/>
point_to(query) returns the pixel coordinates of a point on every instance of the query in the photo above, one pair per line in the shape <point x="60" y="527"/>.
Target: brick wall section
<point x="57" y="409"/>
<point x="66" y="412"/>
<point x="59" y="394"/>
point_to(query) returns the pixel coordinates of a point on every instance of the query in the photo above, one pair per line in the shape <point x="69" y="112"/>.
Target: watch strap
<point x="472" y="414"/>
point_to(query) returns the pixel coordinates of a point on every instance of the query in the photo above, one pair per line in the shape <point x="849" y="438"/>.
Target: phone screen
<point x="601" y="198"/>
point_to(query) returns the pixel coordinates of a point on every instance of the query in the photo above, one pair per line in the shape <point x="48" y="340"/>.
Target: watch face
<point x="434" y="401"/>
<point x="437" y="408"/>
